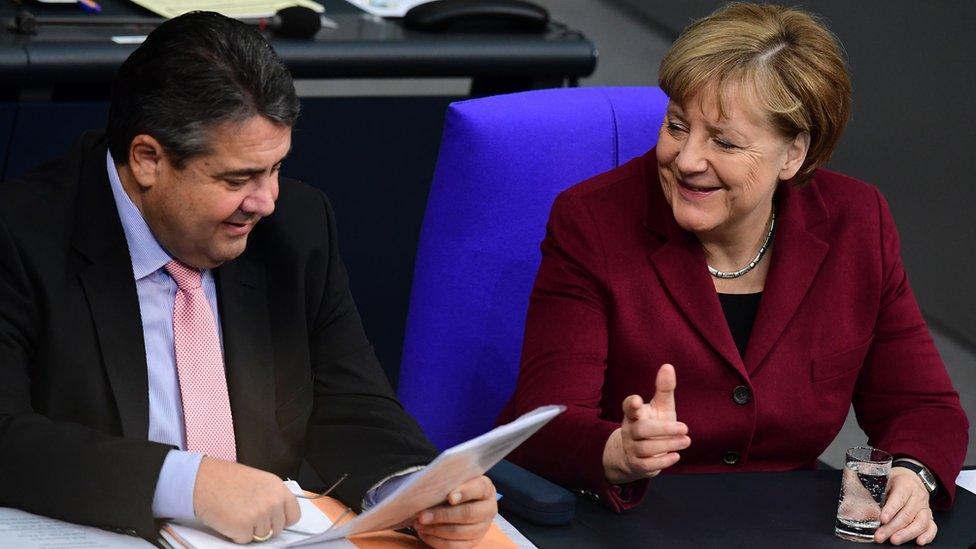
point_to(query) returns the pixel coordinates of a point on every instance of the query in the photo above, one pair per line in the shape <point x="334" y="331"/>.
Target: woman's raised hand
<point x="650" y="435"/>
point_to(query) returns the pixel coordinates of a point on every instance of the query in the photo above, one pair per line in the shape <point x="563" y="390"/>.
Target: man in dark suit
<point x="163" y="354"/>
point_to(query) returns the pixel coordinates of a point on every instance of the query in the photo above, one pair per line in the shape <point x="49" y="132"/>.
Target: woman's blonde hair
<point x="790" y="61"/>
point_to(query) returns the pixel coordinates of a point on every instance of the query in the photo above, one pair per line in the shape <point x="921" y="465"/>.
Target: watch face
<point x="928" y="480"/>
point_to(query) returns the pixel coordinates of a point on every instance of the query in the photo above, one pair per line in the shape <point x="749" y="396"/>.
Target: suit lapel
<point x="248" y="357"/>
<point x="110" y="289"/>
<point x="796" y="259"/>
<point x="680" y="264"/>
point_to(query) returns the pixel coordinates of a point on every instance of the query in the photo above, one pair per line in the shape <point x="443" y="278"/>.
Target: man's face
<point x="203" y="213"/>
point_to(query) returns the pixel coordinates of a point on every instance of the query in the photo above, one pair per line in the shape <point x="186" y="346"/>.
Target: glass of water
<point x="862" y="493"/>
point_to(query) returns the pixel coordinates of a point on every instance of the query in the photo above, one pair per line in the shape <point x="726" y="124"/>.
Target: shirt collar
<point x="146" y="253"/>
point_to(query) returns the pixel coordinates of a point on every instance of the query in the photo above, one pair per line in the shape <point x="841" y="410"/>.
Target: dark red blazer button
<point x="741" y="395"/>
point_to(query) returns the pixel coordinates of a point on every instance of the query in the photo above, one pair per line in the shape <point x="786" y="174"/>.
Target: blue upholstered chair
<point x="502" y="162"/>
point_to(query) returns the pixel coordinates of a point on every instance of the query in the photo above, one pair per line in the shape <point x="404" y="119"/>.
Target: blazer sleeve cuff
<point x="944" y="471"/>
<point x="618" y="498"/>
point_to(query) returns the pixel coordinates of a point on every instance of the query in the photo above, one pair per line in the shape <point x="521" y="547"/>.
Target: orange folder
<point x="494" y="539"/>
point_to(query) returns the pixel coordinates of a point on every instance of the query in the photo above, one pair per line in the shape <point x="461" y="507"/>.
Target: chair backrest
<point x="502" y="162"/>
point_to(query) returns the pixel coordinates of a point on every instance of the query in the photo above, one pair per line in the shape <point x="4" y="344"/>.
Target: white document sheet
<point x="23" y="530"/>
<point x="967" y="480"/>
<point x="313" y="521"/>
<point x="387" y="8"/>
<point x="431" y="486"/>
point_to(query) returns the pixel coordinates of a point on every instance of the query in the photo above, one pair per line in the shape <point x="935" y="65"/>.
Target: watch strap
<point x="928" y="479"/>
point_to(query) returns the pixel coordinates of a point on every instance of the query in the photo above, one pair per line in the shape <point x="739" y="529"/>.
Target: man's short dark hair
<point x="195" y="72"/>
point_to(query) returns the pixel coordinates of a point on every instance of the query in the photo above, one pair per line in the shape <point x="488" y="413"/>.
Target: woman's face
<point x="719" y="173"/>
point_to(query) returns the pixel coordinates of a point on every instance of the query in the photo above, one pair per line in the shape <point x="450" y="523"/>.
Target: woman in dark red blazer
<point x="774" y="288"/>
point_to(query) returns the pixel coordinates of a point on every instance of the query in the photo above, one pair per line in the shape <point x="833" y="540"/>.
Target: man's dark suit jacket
<point x="74" y="405"/>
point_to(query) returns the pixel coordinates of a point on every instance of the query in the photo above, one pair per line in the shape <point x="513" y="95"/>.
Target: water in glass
<point x="862" y="494"/>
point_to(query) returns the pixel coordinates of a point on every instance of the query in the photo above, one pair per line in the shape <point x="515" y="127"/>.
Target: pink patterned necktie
<point x="200" y="368"/>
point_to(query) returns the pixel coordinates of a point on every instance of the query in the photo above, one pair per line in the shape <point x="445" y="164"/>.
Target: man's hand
<point x="241" y="502"/>
<point x="650" y="436"/>
<point x="463" y="520"/>
<point x="906" y="514"/>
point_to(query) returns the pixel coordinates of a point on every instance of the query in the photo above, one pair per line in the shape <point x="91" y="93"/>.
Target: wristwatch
<point x="928" y="480"/>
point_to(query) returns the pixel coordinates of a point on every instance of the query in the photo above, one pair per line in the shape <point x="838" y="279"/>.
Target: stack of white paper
<point x="26" y="531"/>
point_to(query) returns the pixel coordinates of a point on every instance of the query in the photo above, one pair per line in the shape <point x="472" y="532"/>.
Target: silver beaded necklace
<point x="755" y="261"/>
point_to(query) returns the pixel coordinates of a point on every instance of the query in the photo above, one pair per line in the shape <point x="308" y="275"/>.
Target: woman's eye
<point x="725" y="145"/>
<point x="674" y="128"/>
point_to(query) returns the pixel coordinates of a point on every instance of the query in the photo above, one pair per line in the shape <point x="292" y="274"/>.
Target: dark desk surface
<point x="361" y="46"/>
<point x="732" y="510"/>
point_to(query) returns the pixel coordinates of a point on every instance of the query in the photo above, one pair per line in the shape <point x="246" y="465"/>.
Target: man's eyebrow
<point x="249" y="172"/>
<point x="246" y="172"/>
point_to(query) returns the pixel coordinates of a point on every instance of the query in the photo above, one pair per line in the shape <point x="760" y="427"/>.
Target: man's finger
<point x="240" y="536"/>
<point x="664" y="385"/>
<point x="471" y="512"/>
<point x="443" y="543"/>
<point x="262" y="529"/>
<point x="293" y="513"/>
<point x="457" y="532"/>
<point x="278" y="520"/>
<point x="633" y="406"/>
<point x="475" y="489"/>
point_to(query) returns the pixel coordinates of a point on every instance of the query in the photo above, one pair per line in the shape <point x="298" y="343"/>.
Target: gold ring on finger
<point x="265" y="537"/>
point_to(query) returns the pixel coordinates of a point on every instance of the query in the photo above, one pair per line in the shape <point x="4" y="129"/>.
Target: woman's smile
<point x="696" y="191"/>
